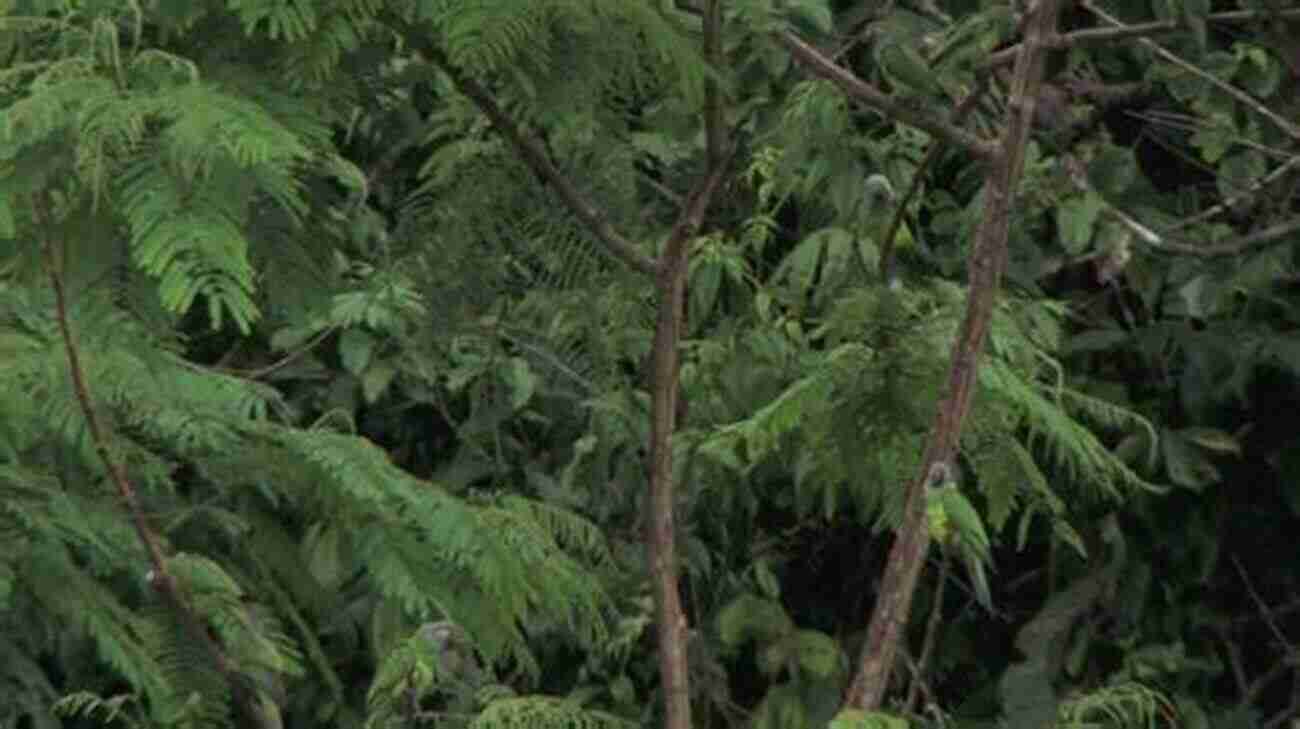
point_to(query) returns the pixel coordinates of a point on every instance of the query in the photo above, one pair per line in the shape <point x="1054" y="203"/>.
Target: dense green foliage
<point x="384" y="398"/>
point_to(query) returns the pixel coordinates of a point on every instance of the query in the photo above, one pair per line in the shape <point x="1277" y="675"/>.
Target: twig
<point x="918" y="684"/>
<point x="287" y="359"/>
<point x="1292" y="709"/>
<point x="988" y="260"/>
<point x="1177" y="246"/>
<point x="1233" y="247"/>
<point x="1250" y="191"/>
<point x="160" y="577"/>
<point x="967" y="104"/>
<point x="1234" y="663"/>
<point x="931" y="636"/>
<point x="532" y="152"/>
<point x="1264" y="611"/>
<point x="1261" y="682"/>
<point x="1138" y="30"/>
<point x="1241" y="96"/>
<point x="813" y="60"/>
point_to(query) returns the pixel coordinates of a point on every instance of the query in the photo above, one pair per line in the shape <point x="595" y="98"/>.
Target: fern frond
<point x="120" y="635"/>
<point x="542" y="712"/>
<point x="1067" y="442"/>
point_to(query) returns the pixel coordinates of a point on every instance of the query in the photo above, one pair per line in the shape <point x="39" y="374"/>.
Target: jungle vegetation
<point x="673" y="363"/>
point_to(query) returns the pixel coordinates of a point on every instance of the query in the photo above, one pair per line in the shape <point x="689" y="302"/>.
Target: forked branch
<point x="661" y="540"/>
<point x="670" y="272"/>
<point x="987" y="262"/>
<point x="820" y="65"/>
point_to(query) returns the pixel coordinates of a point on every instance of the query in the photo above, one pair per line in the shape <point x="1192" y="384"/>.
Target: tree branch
<point x="532" y="152"/>
<point x="887" y="257"/>
<point x="1097" y="36"/>
<point x="160" y="577"/>
<point x="988" y="260"/>
<point x="1241" y="96"/>
<point x="670" y="282"/>
<point x="931" y="637"/>
<point x="1250" y="191"/>
<point x="819" y="65"/>
<point x="1171" y="245"/>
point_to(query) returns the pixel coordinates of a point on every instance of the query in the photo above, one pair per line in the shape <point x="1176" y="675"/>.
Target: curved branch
<point x="160" y="578"/>
<point x="817" y="63"/>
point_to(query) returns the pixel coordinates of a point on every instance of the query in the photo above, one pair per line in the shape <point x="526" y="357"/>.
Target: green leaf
<point x="749" y="617"/>
<point x="623" y="691"/>
<point x="811" y="17"/>
<point x="1239" y="170"/>
<point x="522" y="381"/>
<point x="1062" y="530"/>
<point x="8" y="228"/>
<point x="859" y="719"/>
<point x="291" y="337"/>
<point x="375" y="381"/>
<point x="1075" y="219"/>
<point x="782" y="708"/>
<point x="767" y="579"/>
<point x="818" y="653"/>
<point x="1186" y="465"/>
<point x="706" y="280"/>
<point x="1212" y="439"/>
<point x="1258" y="71"/>
<point x="773" y="657"/>
<point x="905" y="66"/>
<point x="355" y="349"/>
<point x="1113" y="170"/>
<point x="322" y="555"/>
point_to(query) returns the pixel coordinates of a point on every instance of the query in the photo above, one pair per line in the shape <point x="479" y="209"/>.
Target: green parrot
<point x="956" y="527"/>
<point x="907" y="69"/>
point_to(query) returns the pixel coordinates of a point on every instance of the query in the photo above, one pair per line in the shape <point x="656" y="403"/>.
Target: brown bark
<point x="160" y="577"/>
<point x="816" y="63"/>
<point x="533" y="154"/>
<point x="661" y="540"/>
<point x="670" y="272"/>
<point x="987" y="262"/>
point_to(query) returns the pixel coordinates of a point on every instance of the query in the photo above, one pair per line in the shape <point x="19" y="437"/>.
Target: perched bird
<point x="956" y="526"/>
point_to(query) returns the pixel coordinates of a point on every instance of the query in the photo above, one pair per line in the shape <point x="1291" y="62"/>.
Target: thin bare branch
<point x="1242" y="97"/>
<point x="887" y="247"/>
<point x="1250" y="191"/>
<point x="1172" y="245"/>
<point x="1099" y="36"/>
<point x="1234" y="247"/>
<point x="987" y="262"/>
<point x="919" y="684"/>
<point x="1264" y="611"/>
<point x="817" y="63"/>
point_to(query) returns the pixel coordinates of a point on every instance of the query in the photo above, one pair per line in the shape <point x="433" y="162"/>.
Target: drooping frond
<point x="541" y="712"/>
